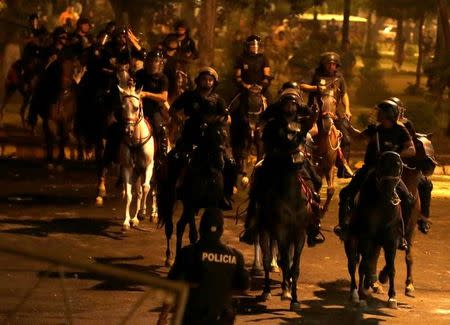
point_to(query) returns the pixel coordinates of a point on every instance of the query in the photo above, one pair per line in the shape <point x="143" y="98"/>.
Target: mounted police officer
<point x="154" y="94"/>
<point x="426" y="165"/>
<point x="214" y="270"/>
<point x="329" y="80"/>
<point x="252" y="68"/>
<point x="388" y="135"/>
<point x="202" y="105"/>
<point x="82" y="39"/>
<point x="286" y="124"/>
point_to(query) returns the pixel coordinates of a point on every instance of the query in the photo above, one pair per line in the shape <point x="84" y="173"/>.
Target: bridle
<point x="135" y="123"/>
<point x="397" y="178"/>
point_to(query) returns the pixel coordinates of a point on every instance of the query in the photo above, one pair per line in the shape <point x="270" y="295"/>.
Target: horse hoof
<point x="257" y="271"/>
<point x="392" y="303"/>
<point x="409" y="290"/>
<point x="99" y="201"/>
<point x="141" y="215"/>
<point x="168" y="262"/>
<point x="245" y="181"/>
<point x="134" y="222"/>
<point x="295" y="306"/>
<point x="154" y="218"/>
<point x="50" y="166"/>
<point x="126" y="227"/>
<point x="286" y="295"/>
<point x="354" y="297"/>
<point x="363" y="304"/>
<point x="274" y="269"/>
<point x="266" y="296"/>
<point x="377" y="288"/>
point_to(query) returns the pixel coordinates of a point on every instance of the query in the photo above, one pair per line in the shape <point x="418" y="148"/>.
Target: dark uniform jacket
<point x="252" y="67"/>
<point x="154" y="83"/>
<point x="198" y="109"/>
<point x="385" y="139"/>
<point x="214" y="270"/>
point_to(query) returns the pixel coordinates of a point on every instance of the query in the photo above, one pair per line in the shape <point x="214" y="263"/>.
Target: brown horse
<point x="327" y="142"/>
<point x="22" y="77"/>
<point x="58" y="117"/>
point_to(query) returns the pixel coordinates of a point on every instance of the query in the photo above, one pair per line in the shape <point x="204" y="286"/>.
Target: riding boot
<point x="425" y="187"/>
<point x="314" y="235"/>
<point x="230" y="174"/>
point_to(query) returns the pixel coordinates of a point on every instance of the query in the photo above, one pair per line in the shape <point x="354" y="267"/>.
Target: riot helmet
<point x="253" y="44"/>
<point x="154" y="62"/>
<point x="388" y="110"/>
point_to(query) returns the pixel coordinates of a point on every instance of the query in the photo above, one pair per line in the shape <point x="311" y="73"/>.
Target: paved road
<point x="54" y="212"/>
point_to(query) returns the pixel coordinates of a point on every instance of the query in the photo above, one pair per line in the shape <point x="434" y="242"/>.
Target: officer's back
<point x="214" y="270"/>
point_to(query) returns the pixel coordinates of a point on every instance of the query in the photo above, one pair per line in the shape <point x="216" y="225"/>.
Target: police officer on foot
<point x="214" y="270"/>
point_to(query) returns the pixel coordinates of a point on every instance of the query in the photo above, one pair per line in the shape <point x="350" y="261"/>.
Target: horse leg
<point x="8" y="94"/>
<point x="352" y="262"/>
<point x="181" y="225"/>
<point x="154" y="206"/>
<point x="128" y="196"/>
<point x="409" y="290"/>
<point x="274" y="265"/>
<point x="49" y="135"/>
<point x="389" y="255"/>
<point x="23" y="107"/>
<point x="264" y="240"/>
<point x="283" y="251"/>
<point x="101" y="173"/>
<point x="134" y="222"/>
<point x="257" y="269"/>
<point x="299" y="242"/>
<point x="330" y="190"/>
<point x="363" y="272"/>
<point x="142" y="210"/>
<point x="62" y="143"/>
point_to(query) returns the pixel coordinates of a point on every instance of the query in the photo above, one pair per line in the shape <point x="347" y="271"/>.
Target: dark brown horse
<point x="283" y="213"/>
<point x="245" y="135"/>
<point x="376" y="225"/>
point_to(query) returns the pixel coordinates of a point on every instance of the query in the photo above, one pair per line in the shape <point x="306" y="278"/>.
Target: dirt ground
<point x="54" y="212"/>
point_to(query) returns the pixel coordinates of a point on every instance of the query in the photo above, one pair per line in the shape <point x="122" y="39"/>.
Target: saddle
<point x="426" y="159"/>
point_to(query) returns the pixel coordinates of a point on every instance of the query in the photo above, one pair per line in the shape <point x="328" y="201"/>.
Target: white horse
<point x="136" y="155"/>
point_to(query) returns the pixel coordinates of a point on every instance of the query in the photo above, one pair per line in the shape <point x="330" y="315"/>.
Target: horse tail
<point x="165" y="195"/>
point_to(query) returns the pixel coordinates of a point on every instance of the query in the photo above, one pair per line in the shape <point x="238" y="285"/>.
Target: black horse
<point x="376" y="225"/>
<point x="283" y="211"/>
<point x="197" y="181"/>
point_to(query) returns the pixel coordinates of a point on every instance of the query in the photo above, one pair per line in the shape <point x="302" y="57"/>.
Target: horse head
<point x="388" y="174"/>
<point x="211" y="145"/>
<point x="132" y="111"/>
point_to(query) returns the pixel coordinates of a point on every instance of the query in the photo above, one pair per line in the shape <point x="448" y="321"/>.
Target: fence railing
<point x="175" y="292"/>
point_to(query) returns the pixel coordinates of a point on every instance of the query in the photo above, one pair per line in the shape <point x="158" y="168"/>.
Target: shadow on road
<point x="80" y="226"/>
<point x="108" y="283"/>
<point x="331" y="307"/>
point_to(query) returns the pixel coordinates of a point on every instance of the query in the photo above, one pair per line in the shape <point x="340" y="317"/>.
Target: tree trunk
<point x="208" y="17"/>
<point x="368" y="46"/>
<point x="443" y="13"/>
<point x="399" y="45"/>
<point x="420" y="56"/>
<point x="346" y="23"/>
